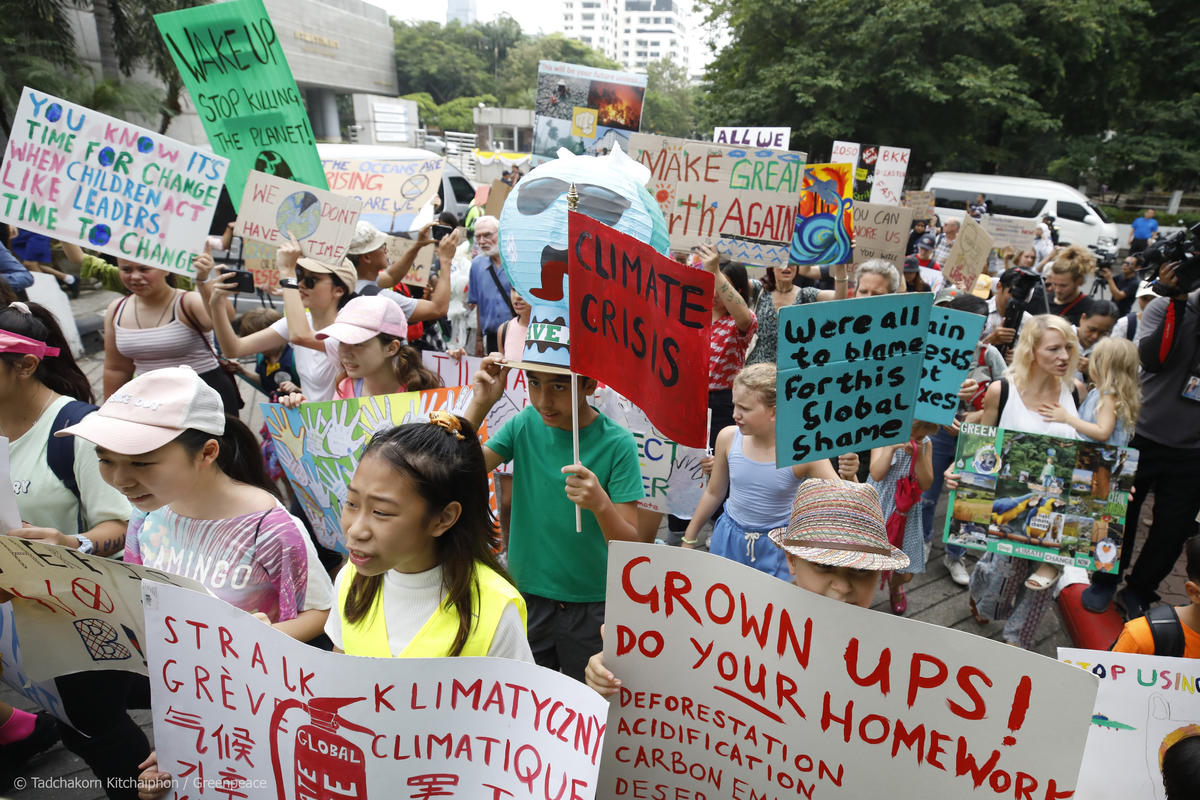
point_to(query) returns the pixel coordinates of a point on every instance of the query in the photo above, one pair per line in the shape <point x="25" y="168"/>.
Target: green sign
<point x="234" y="68"/>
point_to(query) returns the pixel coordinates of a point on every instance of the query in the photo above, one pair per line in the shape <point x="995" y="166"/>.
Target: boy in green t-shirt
<point x="561" y="572"/>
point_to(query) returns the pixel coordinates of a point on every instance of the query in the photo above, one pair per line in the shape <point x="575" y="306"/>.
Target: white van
<point x="1023" y="202"/>
<point x="456" y="190"/>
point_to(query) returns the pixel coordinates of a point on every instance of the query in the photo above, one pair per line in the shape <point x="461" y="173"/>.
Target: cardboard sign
<point x="392" y="192"/>
<point x="586" y="110"/>
<point x="318" y="445"/>
<point x="229" y="57"/>
<point x="640" y="323"/>
<point x="323" y="222"/>
<point x="1144" y="703"/>
<point x="739" y="686"/>
<point x="881" y="231"/>
<point x="743" y="201"/>
<point x="1010" y="232"/>
<point x="741" y="136"/>
<point x="259" y="260"/>
<point x="848" y="375"/>
<point x="278" y="714"/>
<point x="969" y="255"/>
<point x="80" y="176"/>
<point x="824" y="226"/>
<point x="845" y="153"/>
<point x="496" y="197"/>
<point x="418" y="273"/>
<point x="920" y="202"/>
<point x="672" y="477"/>
<point x="890" y="170"/>
<point x="949" y="355"/>
<point x="76" y="612"/>
<point x="1062" y="501"/>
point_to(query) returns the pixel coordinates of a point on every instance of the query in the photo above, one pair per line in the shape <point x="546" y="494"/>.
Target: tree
<point x="668" y="109"/>
<point x="446" y="62"/>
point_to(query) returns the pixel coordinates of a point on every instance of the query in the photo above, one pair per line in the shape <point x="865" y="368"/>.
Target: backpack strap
<point x="1131" y="325"/>
<point x="1167" y="631"/>
<point x="1003" y="399"/>
<point x="60" y="452"/>
<point x="370" y="290"/>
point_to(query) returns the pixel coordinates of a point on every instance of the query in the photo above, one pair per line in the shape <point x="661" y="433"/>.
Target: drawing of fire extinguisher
<point x="327" y="766"/>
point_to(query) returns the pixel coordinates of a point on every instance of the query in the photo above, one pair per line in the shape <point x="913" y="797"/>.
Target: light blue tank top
<point x="1087" y="412"/>
<point x="760" y="496"/>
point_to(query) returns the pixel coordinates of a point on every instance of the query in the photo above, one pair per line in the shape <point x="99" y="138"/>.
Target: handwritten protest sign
<point x="318" y="445"/>
<point x="323" y="222"/>
<point x="640" y="323"/>
<point x="921" y="203"/>
<point x="1144" y="704"/>
<point x="1062" y="501"/>
<point x="743" y="201"/>
<point x="742" y="136"/>
<point x="848" y="374"/>
<point x="1010" y="232"/>
<point x="80" y="176"/>
<point x="259" y="260"/>
<point x="949" y="353"/>
<point x="242" y="706"/>
<point x="735" y="687"/>
<point x="391" y="192"/>
<point x="418" y="273"/>
<point x="824" y="226"/>
<point x="845" y="153"/>
<point x="881" y="231"/>
<point x="496" y="197"/>
<point x="968" y="257"/>
<point x="229" y="57"/>
<point x="76" y="612"/>
<point x="890" y="170"/>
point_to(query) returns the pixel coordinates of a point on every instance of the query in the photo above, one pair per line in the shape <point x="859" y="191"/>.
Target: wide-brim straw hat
<point x="839" y="524"/>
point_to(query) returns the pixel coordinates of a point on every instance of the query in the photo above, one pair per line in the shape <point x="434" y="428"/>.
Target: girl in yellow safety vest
<point x="422" y="580"/>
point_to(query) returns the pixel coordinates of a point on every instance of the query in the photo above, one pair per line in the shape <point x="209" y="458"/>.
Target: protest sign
<point x="259" y="260"/>
<point x="1010" y="232"/>
<point x="640" y="323"/>
<point x="921" y="204"/>
<point x="273" y="208"/>
<point x="229" y="57"/>
<point x="881" y="231"/>
<point x="845" y="153"/>
<point x="742" y="136"/>
<point x="391" y="192"/>
<point x="584" y="109"/>
<point x="418" y="273"/>
<point x="890" y="169"/>
<point x="969" y="255"/>
<point x="742" y="201"/>
<point x="736" y="686"/>
<point x="76" y="612"/>
<point x="671" y="474"/>
<point x="240" y="706"/>
<point x="496" y="197"/>
<point x="824" y="226"/>
<point x="80" y="176"/>
<point x="848" y="374"/>
<point x="949" y="354"/>
<point x="42" y="693"/>
<point x="1145" y="703"/>
<point x="318" y="445"/>
<point x="864" y="173"/>
<point x="1062" y="501"/>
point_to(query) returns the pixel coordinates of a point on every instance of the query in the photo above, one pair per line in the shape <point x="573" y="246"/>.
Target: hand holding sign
<point x="584" y="489"/>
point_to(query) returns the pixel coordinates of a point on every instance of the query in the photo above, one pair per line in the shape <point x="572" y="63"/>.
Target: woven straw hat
<point x="839" y="524"/>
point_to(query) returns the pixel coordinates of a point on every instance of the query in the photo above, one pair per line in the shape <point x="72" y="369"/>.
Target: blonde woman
<point x="1109" y="412"/>
<point x="1064" y="281"/>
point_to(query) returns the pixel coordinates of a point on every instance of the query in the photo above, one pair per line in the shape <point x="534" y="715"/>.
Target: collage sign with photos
<point x="1042" y="498"/>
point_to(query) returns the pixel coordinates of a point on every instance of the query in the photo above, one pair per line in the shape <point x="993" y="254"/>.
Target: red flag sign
<point x="640" y="323"/>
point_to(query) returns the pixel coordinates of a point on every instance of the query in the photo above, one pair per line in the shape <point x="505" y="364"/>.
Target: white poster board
<point x="273" y="207"/>
<point x="1141" y="702"/>
<point x="745" y="136"/>
<point x="734" y="682"/>
<point x="845" y="153"/>
<point x="890" y="170"/>
<point x="278" y="713"/>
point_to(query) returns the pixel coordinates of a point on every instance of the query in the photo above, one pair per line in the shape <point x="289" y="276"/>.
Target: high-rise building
<point x="461" y="10"/>
<point x="595" y="22"/>
<point x="652" y="30"/>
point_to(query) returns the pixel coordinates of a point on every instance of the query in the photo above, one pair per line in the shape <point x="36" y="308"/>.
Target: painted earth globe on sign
<point x="299" y="214"/>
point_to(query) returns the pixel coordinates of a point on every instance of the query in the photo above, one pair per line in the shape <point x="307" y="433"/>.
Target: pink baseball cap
<point x="365" y="317"/>
<point x="151" y="411"/>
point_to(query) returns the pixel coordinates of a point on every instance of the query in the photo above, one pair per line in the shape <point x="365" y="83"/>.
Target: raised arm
<point x="735" y="304"/>
<point x="439" y="303"/>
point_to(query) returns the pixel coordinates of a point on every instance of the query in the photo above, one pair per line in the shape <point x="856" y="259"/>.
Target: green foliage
<point x="517" y="82"/>
<point x="454" y="115"/>
<point x="669" y="108"/>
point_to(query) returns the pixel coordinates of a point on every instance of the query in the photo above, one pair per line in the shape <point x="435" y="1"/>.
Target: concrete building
<point x="595" y="22"/>
<point x="508" y="130"/>
<point x="461" y="10"/>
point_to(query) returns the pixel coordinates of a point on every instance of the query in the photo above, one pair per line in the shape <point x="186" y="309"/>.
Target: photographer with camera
<point x="1168" y="429"/>
<point x="1015" y="290"/>
<point x="1123" y="286"/>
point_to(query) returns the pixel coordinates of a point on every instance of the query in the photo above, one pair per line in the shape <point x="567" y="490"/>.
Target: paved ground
<point x="932" y="598"/>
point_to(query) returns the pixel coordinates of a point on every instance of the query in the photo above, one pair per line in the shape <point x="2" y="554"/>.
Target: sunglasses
<point x="307" y="279"/>
<point x="597" y="202"/>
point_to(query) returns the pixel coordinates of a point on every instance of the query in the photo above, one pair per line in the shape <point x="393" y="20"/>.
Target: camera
<point x="1022" y="288"/>
<point x="1181" y="246"/>
<point x="440" y="232"/>
<point x="245" y="279"/>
